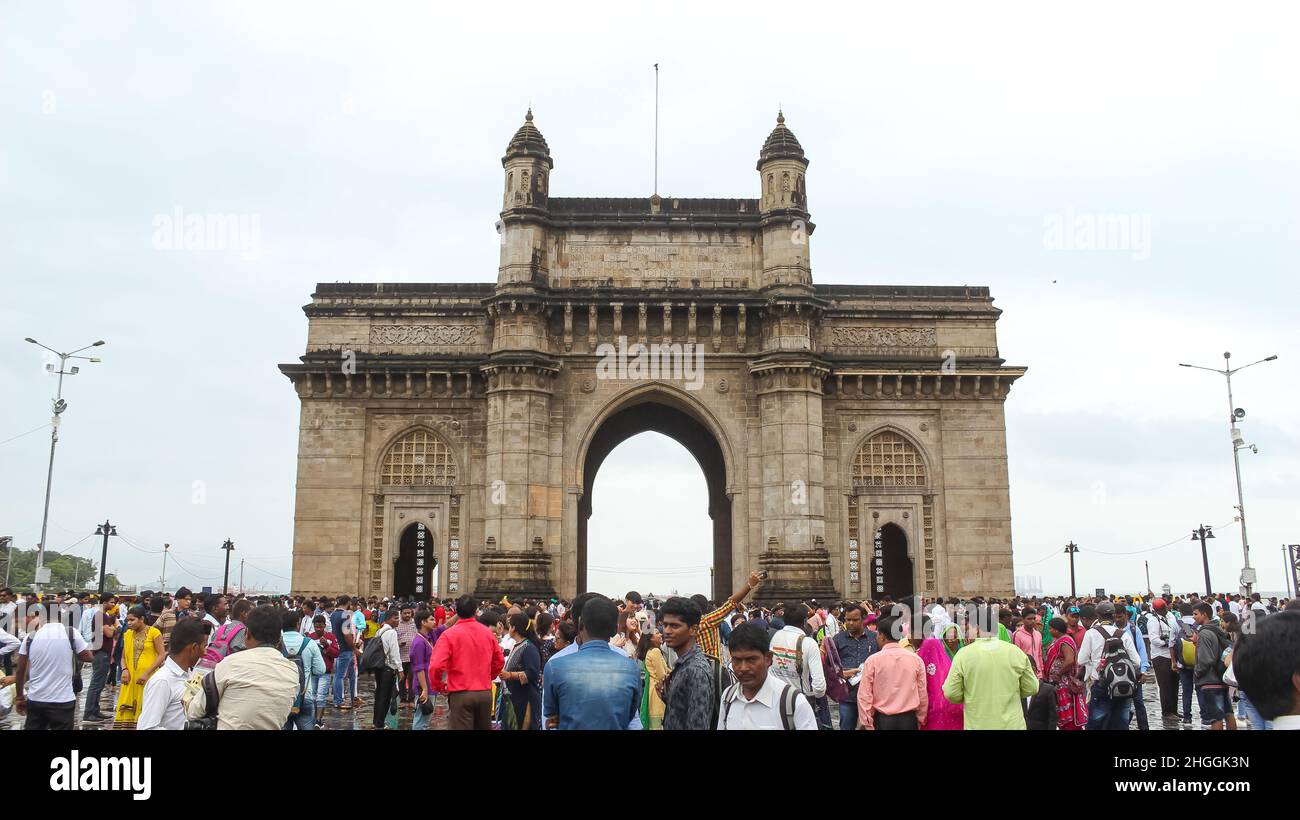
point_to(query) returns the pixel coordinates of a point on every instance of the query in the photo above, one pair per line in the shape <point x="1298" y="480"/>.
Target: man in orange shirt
<point x="892" y="693"/>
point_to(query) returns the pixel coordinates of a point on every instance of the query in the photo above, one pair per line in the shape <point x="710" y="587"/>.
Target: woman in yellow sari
<point x="142" y="654"/>
<point x="653" y="669"/>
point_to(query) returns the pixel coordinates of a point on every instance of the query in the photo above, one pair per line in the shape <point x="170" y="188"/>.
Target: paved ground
<point x="362" y="717"/>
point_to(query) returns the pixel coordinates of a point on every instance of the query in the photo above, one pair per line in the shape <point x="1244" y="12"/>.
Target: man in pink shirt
<point x="892" y="693"/>
<point x="469" y="655"/>
<point x="1029" y="640"/>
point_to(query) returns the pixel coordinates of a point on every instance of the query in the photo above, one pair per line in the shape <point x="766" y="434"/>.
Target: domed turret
<point x="528" y="142"/>
<point x="528" y="165"/>
<point x="782" y="165"/>
<point x="781" y="144"/>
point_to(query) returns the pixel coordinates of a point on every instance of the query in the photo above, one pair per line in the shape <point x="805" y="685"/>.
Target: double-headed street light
<point x="1201" y="534"/>
<point x="42" y="574"/>
<point x="1234" y="415"/>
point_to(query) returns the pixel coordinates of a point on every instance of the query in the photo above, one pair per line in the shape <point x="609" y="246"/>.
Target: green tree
<point x="66" y="571"/>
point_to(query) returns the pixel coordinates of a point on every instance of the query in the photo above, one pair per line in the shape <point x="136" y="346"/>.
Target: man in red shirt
<point x="470" y="657"/>
<point x="440" y="615"/>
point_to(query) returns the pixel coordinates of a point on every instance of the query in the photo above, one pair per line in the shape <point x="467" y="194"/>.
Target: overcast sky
<point x="945" y="142"/>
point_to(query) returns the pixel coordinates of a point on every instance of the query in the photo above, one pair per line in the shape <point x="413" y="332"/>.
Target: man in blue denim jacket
<point x="596" y="687"/>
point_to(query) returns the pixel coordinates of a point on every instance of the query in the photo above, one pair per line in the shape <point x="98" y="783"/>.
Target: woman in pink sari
<point x="1064" y="673"/>
<point x="937" y="655"/>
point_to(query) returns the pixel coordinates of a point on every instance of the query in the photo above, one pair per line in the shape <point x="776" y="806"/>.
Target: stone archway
<point x="894" y="562"/>
<point x="650" y="415"/>
<point x="414" y="562"/>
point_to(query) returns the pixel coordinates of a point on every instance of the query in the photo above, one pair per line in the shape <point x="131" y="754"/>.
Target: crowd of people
<point x="214" y="661"/>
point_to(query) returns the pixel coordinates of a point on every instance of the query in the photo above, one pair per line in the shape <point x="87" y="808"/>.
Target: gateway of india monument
<point x="852" y="437"/>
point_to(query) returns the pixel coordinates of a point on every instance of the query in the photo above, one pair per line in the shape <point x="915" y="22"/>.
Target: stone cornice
<point x="973" y="383"/>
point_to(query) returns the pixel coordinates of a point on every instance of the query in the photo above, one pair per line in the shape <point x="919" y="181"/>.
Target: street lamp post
<point x="1234" y="415"/>
<point x="1072" y="548"/>
<point x="106" y="529"/>
<point x="225" y="582"/>
<point x="1201" y="534"/>
<point x="163" y="581"/>
<point x="59" y="406"/>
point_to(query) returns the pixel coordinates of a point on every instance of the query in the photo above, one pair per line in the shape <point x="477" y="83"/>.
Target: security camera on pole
<point x="1236" y="414"/>
<point x="43" y="573"/>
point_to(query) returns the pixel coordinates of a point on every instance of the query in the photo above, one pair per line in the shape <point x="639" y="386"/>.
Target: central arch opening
<point x="649" y="528"/>
<point x="700" y="443"/>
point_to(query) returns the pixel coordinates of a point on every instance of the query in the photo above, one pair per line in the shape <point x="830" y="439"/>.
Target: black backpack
<point x="373" y="658"/>
<point x="1116" y="671"/>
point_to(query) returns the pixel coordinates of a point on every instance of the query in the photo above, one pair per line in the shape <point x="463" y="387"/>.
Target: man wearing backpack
<point x="1110" y="661"/>
<point x="47" y="661"/>
<point x="759" y="700"/>
<point x="1144" y="664"/>
<point x="796" y="658"/>
<point x="1211" y="691"/>
<point x="383" y="657"/>
<point x="306" y="656"/>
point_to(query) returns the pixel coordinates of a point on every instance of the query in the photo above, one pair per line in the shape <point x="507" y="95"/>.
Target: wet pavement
<point x="362" y="717"/>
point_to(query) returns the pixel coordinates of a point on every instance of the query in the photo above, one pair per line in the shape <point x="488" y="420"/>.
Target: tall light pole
<point x="1286" y="567"/>
<point x="1072" y="548"/>
<point x="225" y="581"/>
<point x="163" y="581"/>
<point x="1234" y="415"/>
<point x="106" y="529"/>
<point x="1201" y="534"/>
<point x="59" y="406"/>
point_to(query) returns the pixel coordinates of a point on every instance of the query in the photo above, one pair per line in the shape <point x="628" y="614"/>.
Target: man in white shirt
<point x="46" y="662"/>
<point x="215" y="609"/>
<point x="833" y="621"/>
<point x="1162" y="631"/>
<point x="8" y="643"/>
<point x="759" y="700"/>
<point x="386" y="675"/>
<point x="796" y="658"/>
<point x="1105" y="713"/>
<point x="162" y="706"/>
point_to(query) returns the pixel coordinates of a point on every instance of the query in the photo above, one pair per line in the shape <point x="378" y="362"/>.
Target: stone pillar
<point x="791" y="445"/>
<point x="520" y="500"/>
